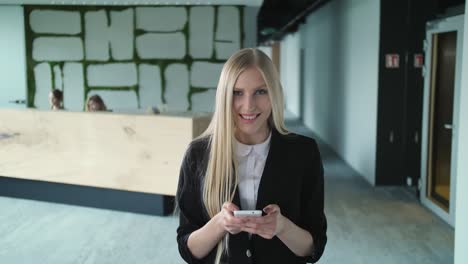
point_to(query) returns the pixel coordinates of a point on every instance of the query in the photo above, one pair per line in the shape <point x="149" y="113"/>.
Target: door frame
<point x="449" y="24"/>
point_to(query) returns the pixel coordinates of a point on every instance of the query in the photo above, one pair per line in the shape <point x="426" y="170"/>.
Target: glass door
<point x="442" y="82"/>
<point x="440" y="115"/>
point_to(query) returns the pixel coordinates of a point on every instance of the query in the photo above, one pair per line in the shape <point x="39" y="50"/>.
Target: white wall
<point x="290" y="51"/>
<point x="12" y="56"/>
<point x="461" y="211"/>
<point x="267" y="50"/>
<point x="341" y="42"/>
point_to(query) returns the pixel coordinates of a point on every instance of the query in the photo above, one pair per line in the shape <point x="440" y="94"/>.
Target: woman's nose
<point x="249" y="103"/>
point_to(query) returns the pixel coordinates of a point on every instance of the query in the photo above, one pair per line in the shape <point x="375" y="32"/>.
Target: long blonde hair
<point x="221" y="179"/>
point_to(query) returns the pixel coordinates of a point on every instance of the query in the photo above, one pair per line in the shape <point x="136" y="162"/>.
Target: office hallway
<point x="383" y="225"/>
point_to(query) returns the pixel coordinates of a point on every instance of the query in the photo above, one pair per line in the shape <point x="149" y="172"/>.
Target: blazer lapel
<point x="236" y="199"/>
<point x="267" y="181"/>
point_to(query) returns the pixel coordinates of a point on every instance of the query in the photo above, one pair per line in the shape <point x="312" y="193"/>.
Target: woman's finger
<point x="230" y="206"/>
<point x="234" y="227"/>
<point x="259" y="228"/>
<point x="271" y="208"/>
<point x="230" y="218"/>
<point x="249" y="230"/>
<point x="268" y="219"/>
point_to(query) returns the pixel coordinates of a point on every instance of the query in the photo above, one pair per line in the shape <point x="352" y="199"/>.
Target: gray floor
<point x="383" y="225"/>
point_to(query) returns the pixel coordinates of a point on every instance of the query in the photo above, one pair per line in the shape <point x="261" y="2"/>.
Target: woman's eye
<point x="261" y="91"/>
<point x="237" y="93"/>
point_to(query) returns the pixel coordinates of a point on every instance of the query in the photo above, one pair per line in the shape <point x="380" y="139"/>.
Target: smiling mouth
<point x="249" y="117"/>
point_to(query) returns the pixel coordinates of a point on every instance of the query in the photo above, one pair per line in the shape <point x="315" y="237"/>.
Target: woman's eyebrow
<point x="258" y="87"/>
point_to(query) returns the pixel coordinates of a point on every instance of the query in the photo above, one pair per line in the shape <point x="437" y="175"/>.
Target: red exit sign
<point x="392" y="61"/>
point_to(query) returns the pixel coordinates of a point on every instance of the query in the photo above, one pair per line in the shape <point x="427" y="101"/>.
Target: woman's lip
<point x="250" y="114"/>
<point x="249" y="120"/>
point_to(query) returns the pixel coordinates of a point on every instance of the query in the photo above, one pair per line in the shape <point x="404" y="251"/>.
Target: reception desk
<point x="102" y="155"/>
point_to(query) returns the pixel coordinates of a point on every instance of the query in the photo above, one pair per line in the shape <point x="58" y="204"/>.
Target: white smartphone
<point x="251" y="213"/>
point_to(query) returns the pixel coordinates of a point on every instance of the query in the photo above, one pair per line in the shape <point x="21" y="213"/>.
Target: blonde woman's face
<point x="251" y="107"/>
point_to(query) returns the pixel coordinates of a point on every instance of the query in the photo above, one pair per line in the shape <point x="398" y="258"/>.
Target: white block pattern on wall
<point x="73" y="82"/>
<point x="161" y="45"/>
<point x="205" y="74"/>
<point x="58" y="84"/>
<point x="43" y="78"/>
<point x="45" y="21"/>
<point x="203" y="102"/>
<point x="149" y="77"/>
<point x="57" y="49"/>
<point x="100" y="34"/>
<point x="135" y="46"/>
<point x="117" y="100"/>
<point x="250" y="26"/>
<point x="201" y="29"/>
<point x="227" y="39"/>
<point x="161" y="19"/>
<point x="177" y="87"/>
<point x="96" y="41"/>
<point x="112" y="75"/>
<point x="120" y="34"/>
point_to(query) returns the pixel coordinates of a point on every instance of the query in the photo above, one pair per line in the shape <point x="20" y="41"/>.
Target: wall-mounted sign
<point x="392" y="61"/>
<point x="418" y="60"/>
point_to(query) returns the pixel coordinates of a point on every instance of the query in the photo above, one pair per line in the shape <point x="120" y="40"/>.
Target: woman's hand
<point x="267" y="226"/>
<point x="227" y="221"/>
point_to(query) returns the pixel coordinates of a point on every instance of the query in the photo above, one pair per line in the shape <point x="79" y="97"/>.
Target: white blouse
<point x="251" y="161"/>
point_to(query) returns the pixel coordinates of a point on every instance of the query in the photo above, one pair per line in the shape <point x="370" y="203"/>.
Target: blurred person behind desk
<point x="56" y="99"/>
<point x="95" y="104"/>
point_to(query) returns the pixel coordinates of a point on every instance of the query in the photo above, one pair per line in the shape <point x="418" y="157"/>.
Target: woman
<point x="56" y="99"/>
<point x="246" y="159"/>
<point x="95" y="103"/>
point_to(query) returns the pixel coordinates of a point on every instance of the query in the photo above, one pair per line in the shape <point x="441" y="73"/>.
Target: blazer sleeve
<point x="188" y="205"/>
<point x="312" y="209"/>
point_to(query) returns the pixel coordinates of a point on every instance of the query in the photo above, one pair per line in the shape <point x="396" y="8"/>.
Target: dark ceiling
<point x="277" y="18"/>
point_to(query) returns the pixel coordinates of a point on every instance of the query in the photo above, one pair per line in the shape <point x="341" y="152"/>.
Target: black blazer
<point x="292" y="178"/>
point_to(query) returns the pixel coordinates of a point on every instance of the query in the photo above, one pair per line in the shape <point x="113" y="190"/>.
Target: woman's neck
<point x="253" y="139"/>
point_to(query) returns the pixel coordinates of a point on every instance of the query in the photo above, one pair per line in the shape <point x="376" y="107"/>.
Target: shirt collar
<point x="261" y="149"/>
